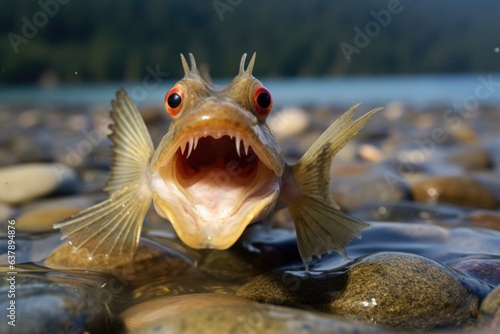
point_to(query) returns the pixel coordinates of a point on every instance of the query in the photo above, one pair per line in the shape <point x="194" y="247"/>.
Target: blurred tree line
<point x="96" y="41"/>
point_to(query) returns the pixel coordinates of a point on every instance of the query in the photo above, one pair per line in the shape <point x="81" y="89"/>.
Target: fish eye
<point x="263" y="101"/>
<point x="173" y="100"/>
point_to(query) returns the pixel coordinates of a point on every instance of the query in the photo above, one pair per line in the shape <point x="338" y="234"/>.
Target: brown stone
<point x="457" y="190"/>
<point x="401" y="291"/>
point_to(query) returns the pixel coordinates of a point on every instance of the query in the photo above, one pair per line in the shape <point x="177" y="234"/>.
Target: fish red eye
<point x="174" y="100"/>
<point x="263" y="101"/>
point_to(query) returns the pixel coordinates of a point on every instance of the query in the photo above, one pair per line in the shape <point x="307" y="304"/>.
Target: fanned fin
<point x="321" y="227"/>
<point x="112" y="228"/>
<point x="132" y="149"/>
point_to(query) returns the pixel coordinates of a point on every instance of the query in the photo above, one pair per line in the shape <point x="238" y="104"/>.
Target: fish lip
<point x="216" y="118"/>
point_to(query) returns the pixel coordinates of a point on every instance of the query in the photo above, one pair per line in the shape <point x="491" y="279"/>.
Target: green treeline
<point x="96" y="40"/>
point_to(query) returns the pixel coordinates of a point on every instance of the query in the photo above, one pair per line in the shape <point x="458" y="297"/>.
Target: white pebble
<point x="22" y="183"/>
<point x="288" y="122"/>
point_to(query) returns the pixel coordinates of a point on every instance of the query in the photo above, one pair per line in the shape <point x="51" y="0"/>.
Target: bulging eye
<point x="174" y="100"/>
<point x="262" y="101"/>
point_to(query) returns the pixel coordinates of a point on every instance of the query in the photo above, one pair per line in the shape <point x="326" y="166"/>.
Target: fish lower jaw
<point x="214" y="219"/>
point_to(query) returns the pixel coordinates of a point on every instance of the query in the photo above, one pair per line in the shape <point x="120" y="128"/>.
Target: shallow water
<point x="415" y="89"/>
<point x="425" y="178"/>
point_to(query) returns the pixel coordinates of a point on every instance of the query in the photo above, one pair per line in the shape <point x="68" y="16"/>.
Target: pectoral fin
<point x="112" y="227"/>
<point x="321" y="227"/>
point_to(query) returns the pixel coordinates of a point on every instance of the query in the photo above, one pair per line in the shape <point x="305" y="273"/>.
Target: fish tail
<point x="321" y="226"/>
<point x="112" y="228"/>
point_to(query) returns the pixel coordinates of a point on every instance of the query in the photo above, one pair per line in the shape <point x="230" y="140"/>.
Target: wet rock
<point x="355" y="191"/>
<point x="42" y="219"/>
<point x="401" y="291"/>
<point x="154" y="310"/>
<point x="25" y="182"/>
<point x="192" y="282"/>
<point x="457" y="190"/>
<point x="227" y="265"/>
<point x="232" y="315"/>
<point x="484" y="268"/>
<point x="489" y="313"/>
<point x="44" y="305"/>
<point x="371" y="153"/>
<point x="150" y="260"/>
<point x="350" y="169"/>
<point x="469" y="158"/>
<point x="39" y="216"/>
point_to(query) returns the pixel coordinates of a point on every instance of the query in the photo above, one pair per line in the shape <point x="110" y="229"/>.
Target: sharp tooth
<point x="247" y="147"/>
<point x="237" y="143"/>
<point x="183" y="147"/>
<point x="195" y="143"/>
<point x="190" y="149"/>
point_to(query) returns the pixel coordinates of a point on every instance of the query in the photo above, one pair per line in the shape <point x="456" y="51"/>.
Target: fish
<point x="217" y="170"/>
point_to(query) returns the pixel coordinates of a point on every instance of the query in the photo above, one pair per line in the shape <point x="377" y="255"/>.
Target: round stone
<point x="450" y="189"/>
<point x="489" y="313"/>
<point x="25" y="182"/>
<point x="397" y="290"/>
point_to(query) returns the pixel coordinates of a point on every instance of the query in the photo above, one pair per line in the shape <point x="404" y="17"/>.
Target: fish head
<point x="218" y="168"/>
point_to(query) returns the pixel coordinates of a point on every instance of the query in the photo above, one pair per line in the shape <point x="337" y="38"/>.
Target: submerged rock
<point x="230" y="314"/>
<point x="150" y="260"/>
<point x="401" y="291"/>
<point x="483" y="268"/>
<point x="193" y="282"/>
<point x="22" y="183"/>
<point x="44" y="305"/>
<point x="153" y="310"/>
<point x="489" y="313"/>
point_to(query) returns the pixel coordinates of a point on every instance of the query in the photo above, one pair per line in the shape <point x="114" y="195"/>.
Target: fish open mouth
<point x="213" y="186"/>
<point x="227" y="159"/>
<point x="217" y="171"/>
